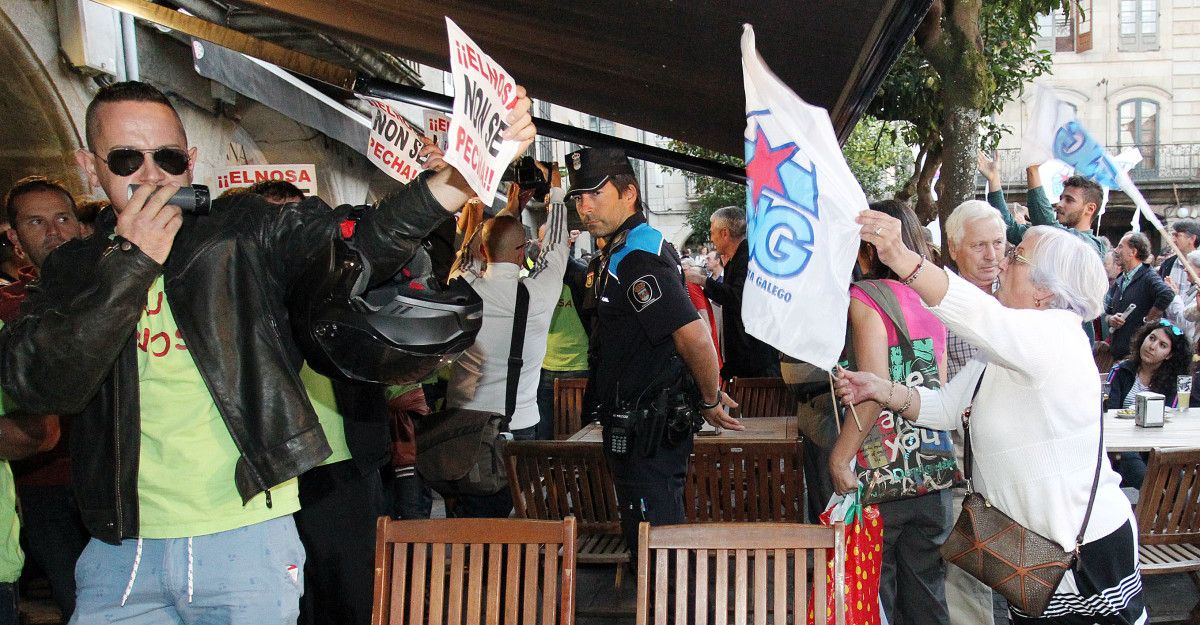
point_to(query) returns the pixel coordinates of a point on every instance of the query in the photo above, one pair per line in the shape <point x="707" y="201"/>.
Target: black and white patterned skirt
<point x="1104" y="588"/>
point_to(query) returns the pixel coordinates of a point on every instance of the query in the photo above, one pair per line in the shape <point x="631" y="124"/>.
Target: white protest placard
<point x="393" y="144"/>
<point x="483" y="95"/>
<point x="437" y="127"/>
<point x="303" y="176"/>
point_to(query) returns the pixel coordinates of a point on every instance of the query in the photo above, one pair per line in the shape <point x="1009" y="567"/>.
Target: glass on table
<point x="1183" y="393"/>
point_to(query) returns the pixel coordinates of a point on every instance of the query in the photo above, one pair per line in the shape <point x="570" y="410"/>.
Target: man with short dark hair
<point x="745" y="355"/>
<point x="649" y="347"/>
<point x="277" y="191"/>
<point x="1076" y="207"/>
<point x="193" y="421"/>
<point x="1138" y="287"/>
<point x="41" y="212"/>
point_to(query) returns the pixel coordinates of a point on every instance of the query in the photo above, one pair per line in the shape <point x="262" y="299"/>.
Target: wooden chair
<point x="554" y="480"/>
<point x="568" y="406"/>
<point x="770" y="562"/>
<point x="1168" y="514"/>
<point x="730" y="481"/>
<point x="474" y="571"/>
<point x="762" y="397"/>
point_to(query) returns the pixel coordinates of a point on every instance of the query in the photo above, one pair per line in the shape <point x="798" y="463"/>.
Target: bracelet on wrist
<point x="907" y="402"/>
<point x="916" y="272"/>
<point x="707" y="406"/>
<point x="891" y="391"/>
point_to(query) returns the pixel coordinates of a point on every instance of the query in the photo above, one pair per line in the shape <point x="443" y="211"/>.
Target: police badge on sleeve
<point x="643" y="292"/>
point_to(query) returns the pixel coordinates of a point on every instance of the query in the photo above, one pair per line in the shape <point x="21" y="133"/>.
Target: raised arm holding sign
<point x="479" y="146"/>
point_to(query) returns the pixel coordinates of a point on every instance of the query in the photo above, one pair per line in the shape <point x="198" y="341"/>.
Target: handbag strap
<point x="967" y="461"/>
<point x="516" y="349"/>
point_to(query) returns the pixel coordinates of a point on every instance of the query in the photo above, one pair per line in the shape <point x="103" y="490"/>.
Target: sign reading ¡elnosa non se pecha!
<point x="303" y="176"/>
<point x="483" y="95"/>
<point x="437" y="127"/>
<point x="393" y="144"/>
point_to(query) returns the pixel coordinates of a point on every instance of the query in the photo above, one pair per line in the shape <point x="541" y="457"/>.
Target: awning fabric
<point x="672" y="68"/>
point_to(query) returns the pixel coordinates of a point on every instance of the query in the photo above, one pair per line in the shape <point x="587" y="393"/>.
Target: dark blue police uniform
<point x="640" y="300"/>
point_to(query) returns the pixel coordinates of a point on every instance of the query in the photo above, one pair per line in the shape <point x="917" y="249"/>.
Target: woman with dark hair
<point x="895" y="337"/>
<point x="1158" y="354"/>
<point x="1162" y="354"/>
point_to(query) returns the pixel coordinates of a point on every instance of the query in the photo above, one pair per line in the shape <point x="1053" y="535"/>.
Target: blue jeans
<point x="251" y="575"/>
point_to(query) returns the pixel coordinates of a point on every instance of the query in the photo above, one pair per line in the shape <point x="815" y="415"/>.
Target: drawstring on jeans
<point x="137" y="560"/>
<point x="189" y="569"/>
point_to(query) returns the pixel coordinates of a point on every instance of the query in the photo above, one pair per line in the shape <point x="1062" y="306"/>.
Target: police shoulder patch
<point x="643" y="292"/>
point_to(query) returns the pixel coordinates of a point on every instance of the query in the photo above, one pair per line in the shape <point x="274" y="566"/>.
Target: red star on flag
<point x="763" y="168"/>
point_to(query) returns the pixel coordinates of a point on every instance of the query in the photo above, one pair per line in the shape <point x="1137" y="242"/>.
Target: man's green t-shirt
<point x="567" y="342"/>
<point x="186" y="467"/>
<point x="12" y="559"/>
<point x="320" y="393"/>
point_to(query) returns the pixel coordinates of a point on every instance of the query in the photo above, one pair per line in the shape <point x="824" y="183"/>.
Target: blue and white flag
<point x="1054" y="132"/>
<point x="801" y="201"/>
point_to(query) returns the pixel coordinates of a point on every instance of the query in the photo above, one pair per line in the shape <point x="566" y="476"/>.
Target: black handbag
<point x="461" y="451"/>
<point x="1012" y="559"/>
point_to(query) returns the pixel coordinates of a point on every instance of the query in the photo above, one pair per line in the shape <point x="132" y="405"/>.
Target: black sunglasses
<point x="126" y="161"/>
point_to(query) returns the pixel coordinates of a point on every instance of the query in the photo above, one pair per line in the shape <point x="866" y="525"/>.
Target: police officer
<point x="653" y="365"/>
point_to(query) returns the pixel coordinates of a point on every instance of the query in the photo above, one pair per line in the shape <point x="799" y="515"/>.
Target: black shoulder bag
<point x="461" y="451"/>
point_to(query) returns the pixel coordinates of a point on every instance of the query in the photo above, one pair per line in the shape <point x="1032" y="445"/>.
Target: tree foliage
<point x="971" y="57"/>
<point x="710" y="193"/>
<point x="879" y="157"/>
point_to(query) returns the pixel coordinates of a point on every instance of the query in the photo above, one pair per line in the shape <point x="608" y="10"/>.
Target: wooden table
<point x="758" y="429"/>
<point x="1180" y="430"/>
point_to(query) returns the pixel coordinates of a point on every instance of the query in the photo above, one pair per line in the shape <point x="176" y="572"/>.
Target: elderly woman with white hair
<point x="1035" y="400"/>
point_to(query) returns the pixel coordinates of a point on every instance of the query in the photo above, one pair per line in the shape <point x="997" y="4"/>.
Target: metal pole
<point x="375" y="88"/>
<point x="129" y="48"/>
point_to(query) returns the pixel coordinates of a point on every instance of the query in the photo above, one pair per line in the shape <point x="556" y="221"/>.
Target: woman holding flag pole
<point x="895" y="337"/>
<point x="1035" y="406"/>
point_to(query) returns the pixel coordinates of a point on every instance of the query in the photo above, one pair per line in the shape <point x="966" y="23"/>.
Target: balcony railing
<point x="1165" y="162"/>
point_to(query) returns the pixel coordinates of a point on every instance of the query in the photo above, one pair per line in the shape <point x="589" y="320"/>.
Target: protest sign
<point x="303" y="176"/>
<point x="393" y="144"/>
<point x="483" y="95"/>
<point x="437" y="127"/>
<point x="801" y="201"/>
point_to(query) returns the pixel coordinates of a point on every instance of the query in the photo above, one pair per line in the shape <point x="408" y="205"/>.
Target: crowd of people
<point x="184" y="464"/>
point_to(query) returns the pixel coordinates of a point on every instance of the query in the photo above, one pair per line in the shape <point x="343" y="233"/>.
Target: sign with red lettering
<point x="437" y="127"/>
<point x="303" y="176"/>
<point x="393" y="144"/>
<point x="483" y="95"/>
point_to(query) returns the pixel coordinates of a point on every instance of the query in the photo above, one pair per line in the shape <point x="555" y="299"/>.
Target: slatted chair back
<point x="568" y="406"/>
<point x="1168" y="508"/>
<point x="762" y="397"/>
<point x="555" y="479"/>
<point x="722" y="573"/>
<point x="474" y="572"/>
<point x="750" y="481"/>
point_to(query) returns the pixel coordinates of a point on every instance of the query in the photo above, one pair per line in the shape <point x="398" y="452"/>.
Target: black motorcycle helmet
<point x="396" y="332"/>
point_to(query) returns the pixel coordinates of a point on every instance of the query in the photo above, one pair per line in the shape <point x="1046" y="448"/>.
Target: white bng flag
<point x="801" y="200"/>
<point x="1054" y="132"/>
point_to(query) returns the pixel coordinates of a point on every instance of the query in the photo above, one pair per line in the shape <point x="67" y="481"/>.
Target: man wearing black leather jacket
<point x="169" y="334"/>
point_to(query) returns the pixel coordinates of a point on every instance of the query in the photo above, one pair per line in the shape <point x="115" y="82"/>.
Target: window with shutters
<point x="1066" y="30"/>
<point x="1137" y="126"/>
<point x="1138" y="27"/>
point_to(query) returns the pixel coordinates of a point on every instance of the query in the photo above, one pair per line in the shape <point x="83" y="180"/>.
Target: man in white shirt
<point x="479" y="378"/>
